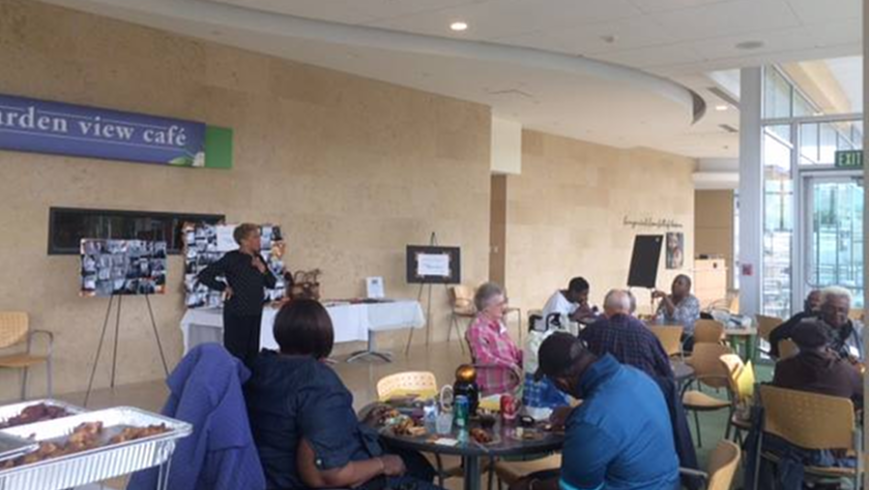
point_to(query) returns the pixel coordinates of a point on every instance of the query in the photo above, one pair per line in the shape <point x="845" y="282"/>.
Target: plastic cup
<point x="444" y="423"/>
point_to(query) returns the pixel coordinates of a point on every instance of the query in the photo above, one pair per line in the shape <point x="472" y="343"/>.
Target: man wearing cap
<point x="817" y="368"/>
<point x="846" y="337"/>
<point x="619" y="438"/>
<point x="812" y="304"/>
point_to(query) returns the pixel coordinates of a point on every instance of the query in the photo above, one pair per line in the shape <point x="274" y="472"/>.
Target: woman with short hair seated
<point x="491" y="344"/>
<point x="302" y="416"/>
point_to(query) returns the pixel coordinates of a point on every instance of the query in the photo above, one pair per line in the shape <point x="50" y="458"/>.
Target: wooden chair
<point x="15" y="331"/>
<point x="514" y="309"/>
<point x="734" y="303"/>
<point x="461" y="306"/>
<point x="709" y="332"/>
<point x="787" y="348"/>
<point x="741" y="390"/>
<point x="857" y="314"/>
<point x="794" y="416"/>
<point x="721" y="466"/>
<point x="710" y="372"/>
<point x="422" y="383"/>
<point x="671" y="338"/>
<point x="515" y="381"/>
<point x="766" y="325"/>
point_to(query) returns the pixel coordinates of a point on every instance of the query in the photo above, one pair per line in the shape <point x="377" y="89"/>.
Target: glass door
<point x="834" y="233"/>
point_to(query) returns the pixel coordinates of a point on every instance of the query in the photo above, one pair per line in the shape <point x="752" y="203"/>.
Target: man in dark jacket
<point x="783" y="331"/>
<point x="627" y="339"/>
<point x="817" y="368"/>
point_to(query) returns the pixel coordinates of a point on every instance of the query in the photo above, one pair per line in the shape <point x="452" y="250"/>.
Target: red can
<point x="508" y="407"/>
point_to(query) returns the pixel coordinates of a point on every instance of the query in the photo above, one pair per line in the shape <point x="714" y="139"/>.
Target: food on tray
<point x="481" y="436"/>
<point x="403" y="426"/>
<point x="89" y="435"/>
<point x="386" y="415"/>
<point x="35" y="413"/>
<point x="133" y="433"/>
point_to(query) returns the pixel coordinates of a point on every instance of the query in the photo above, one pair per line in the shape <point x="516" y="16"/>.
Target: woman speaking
<point x="246" y="277"/>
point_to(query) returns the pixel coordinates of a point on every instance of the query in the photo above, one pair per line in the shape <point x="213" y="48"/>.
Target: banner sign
<point x="39" y="126"/>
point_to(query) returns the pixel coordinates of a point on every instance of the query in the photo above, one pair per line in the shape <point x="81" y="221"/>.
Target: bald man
<point x="626" y="338"/>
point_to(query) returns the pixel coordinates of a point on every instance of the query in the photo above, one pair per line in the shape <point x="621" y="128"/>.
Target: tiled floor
<point x="361" y="378"/>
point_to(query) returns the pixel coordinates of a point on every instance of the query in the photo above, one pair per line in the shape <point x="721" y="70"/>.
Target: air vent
<point x="725" y="96"/>
<point x="728" y="128"/>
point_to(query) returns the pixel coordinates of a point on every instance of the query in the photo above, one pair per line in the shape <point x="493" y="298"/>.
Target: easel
<point x="115" y="350"/>
<point x="433" y="242"/>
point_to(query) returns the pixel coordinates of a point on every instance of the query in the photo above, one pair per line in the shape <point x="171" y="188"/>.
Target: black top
<point x="822" y="373"/>
<point x="291" y="398"/>
<point x="247" y="282"/>
<point x="784" y="331"/>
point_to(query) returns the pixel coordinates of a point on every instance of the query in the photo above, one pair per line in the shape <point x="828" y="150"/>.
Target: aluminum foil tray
<point x="97" y="464"/>
<point x="9" y="411"/>
<point x="13" y="446"/>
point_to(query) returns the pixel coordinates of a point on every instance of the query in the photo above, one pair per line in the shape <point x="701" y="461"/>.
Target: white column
<point x="751" y="191"/>
<point x="866" y="218"/>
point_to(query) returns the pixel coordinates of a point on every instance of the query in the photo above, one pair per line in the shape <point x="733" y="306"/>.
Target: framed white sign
<point x="375" y="287"/>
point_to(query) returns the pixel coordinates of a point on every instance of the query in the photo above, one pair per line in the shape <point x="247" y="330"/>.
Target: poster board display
<point x="427" y="264"/>
<point x="205" y="244"/>
<point x="128" y="267"/>
<point x="674" y="256"/>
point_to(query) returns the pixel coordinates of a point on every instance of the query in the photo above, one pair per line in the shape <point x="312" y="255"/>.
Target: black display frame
<point x="179" y="219"/>
<point x="411" y="259"/>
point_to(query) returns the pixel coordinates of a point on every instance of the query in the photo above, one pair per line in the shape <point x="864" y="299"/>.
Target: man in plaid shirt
<point x="627" y="338"/>
<point x="491" y="344"/>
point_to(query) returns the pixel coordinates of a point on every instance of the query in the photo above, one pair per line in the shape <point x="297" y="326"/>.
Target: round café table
<point x="747" y="335"/>
<point x="506" y="444"/>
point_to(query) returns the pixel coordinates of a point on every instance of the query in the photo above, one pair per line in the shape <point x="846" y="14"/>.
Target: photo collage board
<point x="128" y="267"/>
<point x="205" y="244"/>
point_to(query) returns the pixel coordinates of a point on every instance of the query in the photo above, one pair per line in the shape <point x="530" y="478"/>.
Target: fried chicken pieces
<point x="35" y="413"/>
<point x="86" y="436"/>
<point x="133" y="433"/>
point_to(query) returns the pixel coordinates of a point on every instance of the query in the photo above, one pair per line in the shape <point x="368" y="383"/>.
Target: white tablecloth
<point x="352" y="322"/>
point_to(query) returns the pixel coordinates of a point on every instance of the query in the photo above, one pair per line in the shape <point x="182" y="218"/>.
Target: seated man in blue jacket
<point x="620" y="437"/>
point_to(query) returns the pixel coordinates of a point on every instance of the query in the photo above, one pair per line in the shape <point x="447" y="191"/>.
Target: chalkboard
<point x="645" y="261"/>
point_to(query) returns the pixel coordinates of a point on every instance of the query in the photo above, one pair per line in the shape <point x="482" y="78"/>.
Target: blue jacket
<point x="620" y="438"/>
<point x="206" y="391"/>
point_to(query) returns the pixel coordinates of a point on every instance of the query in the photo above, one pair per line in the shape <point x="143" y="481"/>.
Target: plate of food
<point x="483" y="436"/>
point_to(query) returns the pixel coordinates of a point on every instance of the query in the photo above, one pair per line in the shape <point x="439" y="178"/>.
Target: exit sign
<point x="849" y="159"/>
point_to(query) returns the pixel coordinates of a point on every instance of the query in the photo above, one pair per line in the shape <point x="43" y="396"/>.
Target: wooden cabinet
<point x="711" y="281"/>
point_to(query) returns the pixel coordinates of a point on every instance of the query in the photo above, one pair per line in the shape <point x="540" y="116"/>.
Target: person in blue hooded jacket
<point x="620" y="437"/>
<point x="306" y="431"/>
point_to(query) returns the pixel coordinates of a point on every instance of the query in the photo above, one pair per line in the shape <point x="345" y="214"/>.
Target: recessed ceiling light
<point x="748" y="45"/>
<point x="721" y="107"/>
<point x="458" y="26"/>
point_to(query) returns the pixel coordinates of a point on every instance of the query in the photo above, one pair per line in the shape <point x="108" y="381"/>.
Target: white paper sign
<point x="437" y="265"/>
<point x="225" y="240"/>
<point x="375" y="287"/>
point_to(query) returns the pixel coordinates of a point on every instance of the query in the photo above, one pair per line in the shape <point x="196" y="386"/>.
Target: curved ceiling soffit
<point x="220" y="15"/>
